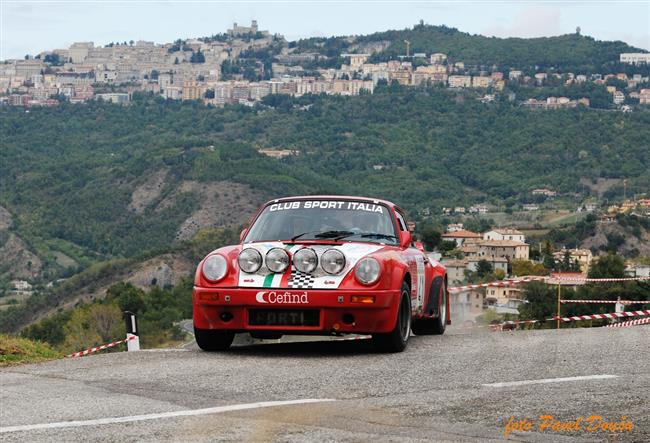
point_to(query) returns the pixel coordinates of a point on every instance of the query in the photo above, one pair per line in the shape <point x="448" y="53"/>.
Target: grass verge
<point x="14" y="350"/>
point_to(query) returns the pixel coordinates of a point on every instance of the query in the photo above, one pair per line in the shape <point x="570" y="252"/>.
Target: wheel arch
<point x="407" y="278"/>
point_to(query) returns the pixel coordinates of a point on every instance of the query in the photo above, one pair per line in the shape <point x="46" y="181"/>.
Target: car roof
<point x="335" y="197"/>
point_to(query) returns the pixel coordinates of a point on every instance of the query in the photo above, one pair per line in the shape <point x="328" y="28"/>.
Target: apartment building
<point x="510" y="249"/>
<point x="618" y="97"/>
<point x="644" y="97"/>
<point x="79" y="51"/>
<point x="460" y="81"/>
<point x="481" y="82"/>
<point x="438" y="58"/>
<point x="193" y="91"/>
<point x="635" y="58"/>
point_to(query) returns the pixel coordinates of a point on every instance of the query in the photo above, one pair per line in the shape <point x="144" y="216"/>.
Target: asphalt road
<point x="449" y="388"/>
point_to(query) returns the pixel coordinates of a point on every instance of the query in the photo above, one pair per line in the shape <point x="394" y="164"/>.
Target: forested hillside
<point x="100" y="181"/>
<point x="568" y="53"/>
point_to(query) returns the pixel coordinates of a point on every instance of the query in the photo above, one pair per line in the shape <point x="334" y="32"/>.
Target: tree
<point x="484" y="268"/>
<point x="430" y="237"/>
<point x="128" y="297"/>
<point x="92" y="326"/>
<point x="565" y="265"/>
<point x="542" y="301"/>
<point x="53" y="59"/>
<point x="549" y="262"/>
<point x="197" y="57"/>
<point x="608" y="266"/>
<point x="447" y="246"/>
<point x="526" y="267"/>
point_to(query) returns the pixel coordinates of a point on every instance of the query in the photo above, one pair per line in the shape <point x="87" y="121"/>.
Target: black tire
<point x="440" y="323"/>
<point x="433" y="326"/>
<point x="397" y="339"/>
<point x="213" y="340"/>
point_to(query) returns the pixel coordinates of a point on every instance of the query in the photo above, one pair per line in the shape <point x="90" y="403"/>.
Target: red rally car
<point x="321" y="265"/>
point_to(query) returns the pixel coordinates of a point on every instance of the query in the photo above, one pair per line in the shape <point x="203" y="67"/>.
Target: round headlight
<point x="305" y="260"/>
<point x="367" y="271"/>
<point x="215" y="267"/>
<point x="277" y="260"/>
<point x="332" y="261"/>
<point x="250" y="260"/>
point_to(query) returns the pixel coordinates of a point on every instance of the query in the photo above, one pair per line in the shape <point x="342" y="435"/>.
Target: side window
<point x="402" y="223"/>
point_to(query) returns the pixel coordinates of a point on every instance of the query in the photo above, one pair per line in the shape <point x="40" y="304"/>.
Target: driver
<point x="300" y="225"/>
<point x="352" y="221"/>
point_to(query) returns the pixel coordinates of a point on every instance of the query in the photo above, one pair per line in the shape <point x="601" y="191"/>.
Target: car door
<point x="419" y="268"/>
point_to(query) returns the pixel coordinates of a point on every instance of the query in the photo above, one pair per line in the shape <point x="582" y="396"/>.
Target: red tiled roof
<point x="462" y="234"/>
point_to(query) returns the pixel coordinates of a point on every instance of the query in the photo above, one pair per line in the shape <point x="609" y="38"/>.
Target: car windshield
<point x="324" y="219"/>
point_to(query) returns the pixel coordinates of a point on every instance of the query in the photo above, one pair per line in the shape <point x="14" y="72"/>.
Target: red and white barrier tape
<point x="623" y="324"/>
<point x="623" y="302"/>
<point x="518" y="281"/>
<point x="585" y="279"/>
<point x="602" y="316"/>
<point x="498" y="283"/>
<point x="100" y="348"/>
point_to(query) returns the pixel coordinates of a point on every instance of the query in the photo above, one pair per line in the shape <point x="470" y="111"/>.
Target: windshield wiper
<point x="298" y="236"/>
<point x="325" y="235"/>
<point x="336" y="235"/>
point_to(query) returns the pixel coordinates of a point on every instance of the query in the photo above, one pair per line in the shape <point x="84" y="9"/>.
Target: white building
<point x="438" y="58"/>
<point x="635" y="58"/>
<point x="618" y="97"/>
<point x="114" y="97"/>
<point x="505" y="234"/>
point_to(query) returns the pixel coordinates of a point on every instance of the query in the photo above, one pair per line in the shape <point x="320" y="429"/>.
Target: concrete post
<point x="619" y="306"/>
<point x="132" y="344"/>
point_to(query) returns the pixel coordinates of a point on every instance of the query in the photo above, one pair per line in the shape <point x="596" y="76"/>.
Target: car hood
<point x="291" y="278"/>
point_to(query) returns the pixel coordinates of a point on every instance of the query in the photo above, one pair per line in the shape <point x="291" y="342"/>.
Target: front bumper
<point x="336" y="309"/>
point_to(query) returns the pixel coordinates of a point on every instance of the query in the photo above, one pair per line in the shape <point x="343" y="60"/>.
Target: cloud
<point x="532" y="21"/>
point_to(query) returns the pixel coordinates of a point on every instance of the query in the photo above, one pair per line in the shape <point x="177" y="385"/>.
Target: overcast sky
<point x="28" y="27"/>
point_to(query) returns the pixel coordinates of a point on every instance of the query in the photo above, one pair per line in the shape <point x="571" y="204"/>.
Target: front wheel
<point x="213" y="340"/>
<point x="397" y="339"/>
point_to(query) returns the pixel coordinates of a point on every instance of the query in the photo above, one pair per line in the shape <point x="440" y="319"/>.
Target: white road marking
<point x="173" y="414"/>
<point x="164" y="349"/>
<point x="549" y="380"/>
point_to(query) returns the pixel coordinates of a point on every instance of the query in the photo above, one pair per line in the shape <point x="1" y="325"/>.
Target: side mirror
<point x="405" y="239"/>
<point x="419" y="245"/>
<point x="243" y="234"/>
<point x="410" y="225"/>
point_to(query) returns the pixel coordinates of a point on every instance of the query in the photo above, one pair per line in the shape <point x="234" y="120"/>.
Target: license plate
<point x="284" y="317"/>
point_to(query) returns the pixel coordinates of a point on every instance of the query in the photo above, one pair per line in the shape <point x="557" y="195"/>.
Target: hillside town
<point x="503" y="252"/>
<point x="500" y="253"/>
<point x="226" y="69"/>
